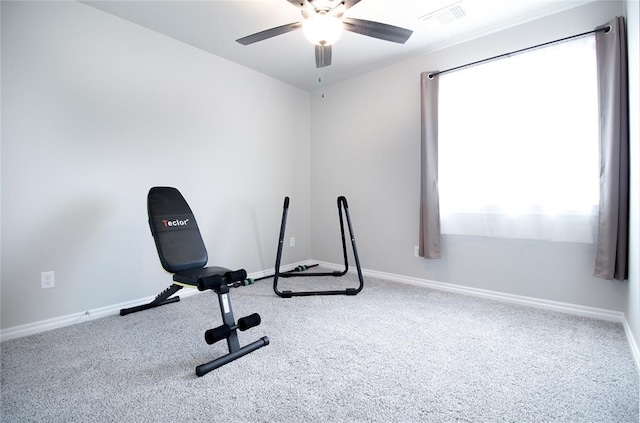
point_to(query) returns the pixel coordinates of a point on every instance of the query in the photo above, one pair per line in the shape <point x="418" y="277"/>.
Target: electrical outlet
<point x="47" y="280"/>
<point x="292" y="241"/>
<point x="416" y="251"/>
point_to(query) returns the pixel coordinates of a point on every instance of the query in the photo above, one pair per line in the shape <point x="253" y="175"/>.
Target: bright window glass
<point x="518" y="146"/>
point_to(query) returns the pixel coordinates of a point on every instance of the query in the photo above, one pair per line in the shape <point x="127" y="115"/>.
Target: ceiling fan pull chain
<point x="321" y="81"/>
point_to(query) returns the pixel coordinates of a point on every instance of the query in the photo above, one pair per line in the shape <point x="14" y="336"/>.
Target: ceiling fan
<point x="323" y="23"/>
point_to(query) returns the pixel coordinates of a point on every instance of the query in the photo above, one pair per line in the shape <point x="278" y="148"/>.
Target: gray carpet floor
<point x="393" y="353"/>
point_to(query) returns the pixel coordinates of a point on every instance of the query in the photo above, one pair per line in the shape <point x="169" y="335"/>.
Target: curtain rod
<point x="605" y="29"/>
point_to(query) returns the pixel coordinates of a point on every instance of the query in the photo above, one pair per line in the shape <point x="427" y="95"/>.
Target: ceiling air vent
<point x="444" y="16"/>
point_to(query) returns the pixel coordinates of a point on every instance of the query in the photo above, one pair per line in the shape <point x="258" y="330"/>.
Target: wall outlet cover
<point x="47" y="280"/>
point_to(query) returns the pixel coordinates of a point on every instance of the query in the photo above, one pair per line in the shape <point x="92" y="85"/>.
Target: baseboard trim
<point x="632" y="343"/>
<point x="579" y="310"/>
<point x="68" y="320"/>
<point x="71" y="319"/>
<point x="591" y="312"/>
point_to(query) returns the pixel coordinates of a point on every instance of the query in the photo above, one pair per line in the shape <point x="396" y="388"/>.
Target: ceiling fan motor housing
<point x="322" y="28"/>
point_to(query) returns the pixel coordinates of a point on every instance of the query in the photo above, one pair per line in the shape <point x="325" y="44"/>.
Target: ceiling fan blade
<point x="377" y="30"/>
<point x="323" y="56"/>
<point x="263" y="35"/>
<point x="305" y="7"/>
<point x="349" y="3"/>
<point x="297" y="3"/>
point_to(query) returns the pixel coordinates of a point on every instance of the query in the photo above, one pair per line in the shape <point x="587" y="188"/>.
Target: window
<point x="518" y="146"/>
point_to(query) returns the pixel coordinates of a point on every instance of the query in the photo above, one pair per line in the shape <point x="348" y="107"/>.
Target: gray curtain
<point x="613" y="225"/>
<point x="429" y="243"/>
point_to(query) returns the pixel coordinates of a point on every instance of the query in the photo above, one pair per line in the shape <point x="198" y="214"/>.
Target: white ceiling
<point x="214" y="26"/>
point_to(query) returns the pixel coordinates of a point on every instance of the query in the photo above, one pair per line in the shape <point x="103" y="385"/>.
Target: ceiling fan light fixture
<point x="322" y="29"/>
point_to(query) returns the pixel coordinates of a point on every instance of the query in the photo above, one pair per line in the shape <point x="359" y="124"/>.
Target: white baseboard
<point x="632" y="343"/>
<point x="593" y="312"/>
<point x="71" y="319"/>
<point x="68" y="320"/>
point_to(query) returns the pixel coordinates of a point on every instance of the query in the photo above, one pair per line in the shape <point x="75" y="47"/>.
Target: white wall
<point x="632" y="311"/>
<point x="365" y="144"/>
<point x="95" y="111"/>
